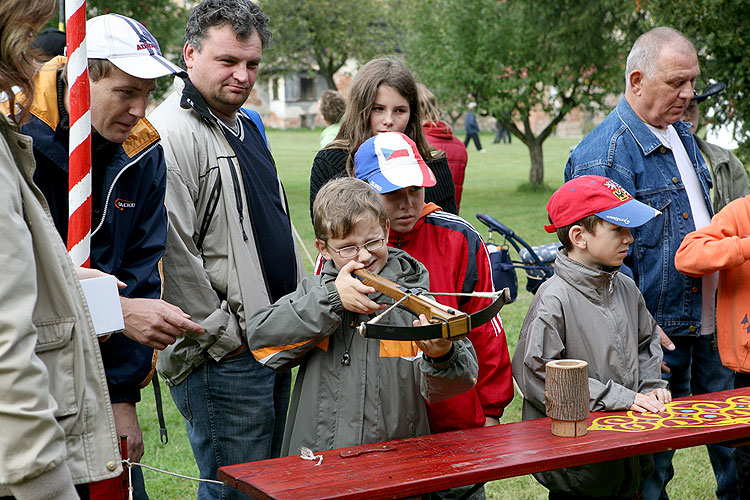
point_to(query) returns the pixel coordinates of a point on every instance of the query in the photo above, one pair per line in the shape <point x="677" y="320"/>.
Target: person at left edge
<point x="129" y="224"/>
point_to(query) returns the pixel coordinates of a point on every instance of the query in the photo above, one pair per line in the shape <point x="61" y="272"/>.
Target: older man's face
<point x="663" y="99"/>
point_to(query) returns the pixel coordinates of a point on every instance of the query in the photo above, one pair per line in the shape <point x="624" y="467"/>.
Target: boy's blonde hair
<point x="342" y="203"/>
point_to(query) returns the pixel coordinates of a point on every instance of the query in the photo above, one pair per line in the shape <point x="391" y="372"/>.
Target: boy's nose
<point x="367" y="254"/>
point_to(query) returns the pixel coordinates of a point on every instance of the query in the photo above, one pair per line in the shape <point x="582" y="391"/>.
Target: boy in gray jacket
<point x="590" y="311"/>
<point x="351" y="390"/>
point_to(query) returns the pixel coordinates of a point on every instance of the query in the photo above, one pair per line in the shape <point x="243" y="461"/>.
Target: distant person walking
<point x="502" y="134"/>
<point x="472" y="128"/>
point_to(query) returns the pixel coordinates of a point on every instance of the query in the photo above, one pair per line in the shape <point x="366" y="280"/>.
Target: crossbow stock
<point x="445" y="322"/>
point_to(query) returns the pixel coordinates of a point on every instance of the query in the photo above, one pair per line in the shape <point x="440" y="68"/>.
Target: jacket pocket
<point x="56" y="349"/>
<point x="654" y="231"/>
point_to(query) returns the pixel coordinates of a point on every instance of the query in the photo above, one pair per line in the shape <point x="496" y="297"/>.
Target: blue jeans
<point x="695" y="369"/>
<point x="235" y="411"/>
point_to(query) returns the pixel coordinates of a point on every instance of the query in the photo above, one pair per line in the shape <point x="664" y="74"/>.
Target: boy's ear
<point x="387" y="229"/>
<point x="577" y="235"/>
<point x="323" y="249"/>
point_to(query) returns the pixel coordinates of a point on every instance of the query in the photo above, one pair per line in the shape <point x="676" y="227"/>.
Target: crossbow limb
<point x="445" y="322"/>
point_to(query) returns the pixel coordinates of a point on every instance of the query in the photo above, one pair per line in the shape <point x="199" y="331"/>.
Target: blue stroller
<point x="537" y="261"/>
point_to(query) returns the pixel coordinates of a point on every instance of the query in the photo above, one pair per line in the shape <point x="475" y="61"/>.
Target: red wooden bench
<point x="409" y="467"/>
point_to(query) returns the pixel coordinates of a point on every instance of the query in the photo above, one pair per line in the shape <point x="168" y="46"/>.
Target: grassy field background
<point x="496" y="184"/>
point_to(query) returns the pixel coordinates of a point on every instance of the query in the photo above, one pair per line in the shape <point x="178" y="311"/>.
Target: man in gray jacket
<point x="230" y="248"/>
<point x="727" y="172"/>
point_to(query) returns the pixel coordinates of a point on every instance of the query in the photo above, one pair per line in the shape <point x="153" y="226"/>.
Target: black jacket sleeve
<point x="328" y="164"/>
<point x="444" y="192"/>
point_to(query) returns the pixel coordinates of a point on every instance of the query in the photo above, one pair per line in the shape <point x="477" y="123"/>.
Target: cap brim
<point x="630" y="214"/>
<point x="401" y="173"/>
<point x="710" y="91"/>
<point x="147" y="66"/>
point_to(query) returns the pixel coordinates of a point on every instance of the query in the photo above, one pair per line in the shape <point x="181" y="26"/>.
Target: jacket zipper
<point x="112" y="186"/>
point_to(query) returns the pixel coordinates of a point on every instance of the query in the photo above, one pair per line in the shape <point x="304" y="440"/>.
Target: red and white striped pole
<point x="79" y="163"/>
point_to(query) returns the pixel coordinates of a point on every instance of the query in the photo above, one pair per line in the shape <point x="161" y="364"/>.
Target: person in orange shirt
<point x="724" y="246"/>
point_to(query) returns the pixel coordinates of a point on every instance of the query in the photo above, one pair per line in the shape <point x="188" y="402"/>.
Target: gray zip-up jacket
<point x="377" y="397"/>
<point x="54" y="405"/>
<point x="219" y="280"/>
<point x="598" y="316"/>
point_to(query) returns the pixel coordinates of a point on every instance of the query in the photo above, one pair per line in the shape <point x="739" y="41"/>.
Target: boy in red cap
<point x="590" y="311"/>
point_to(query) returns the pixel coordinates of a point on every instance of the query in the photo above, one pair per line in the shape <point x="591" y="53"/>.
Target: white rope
<point x="307" y="454"/>
<point x="130" y="464"/>
<point x="487" y="295"/>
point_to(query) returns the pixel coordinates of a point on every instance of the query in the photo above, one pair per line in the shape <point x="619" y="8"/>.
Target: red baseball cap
<point x="595" y="195"/>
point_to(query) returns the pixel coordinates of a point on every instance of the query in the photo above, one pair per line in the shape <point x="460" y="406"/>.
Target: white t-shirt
<point x="701" y="216"/>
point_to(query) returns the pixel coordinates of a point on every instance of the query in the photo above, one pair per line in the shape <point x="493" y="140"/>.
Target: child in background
<point x="383" y="97"/>
<point x="351" y="390"/>
<point x="457" y="259"/>
<point x="724" y="246"/>
<point x="331" y="107"/>
<point x="590" y="311"/>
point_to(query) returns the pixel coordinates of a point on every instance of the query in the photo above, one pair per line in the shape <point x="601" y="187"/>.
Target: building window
<point x="307" y="89"/>
<point x="275" y="89"/>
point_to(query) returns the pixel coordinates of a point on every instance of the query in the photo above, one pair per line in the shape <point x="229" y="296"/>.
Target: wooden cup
<point x="566" y="394"/>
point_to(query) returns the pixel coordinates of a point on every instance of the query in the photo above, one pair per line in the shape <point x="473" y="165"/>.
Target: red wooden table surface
<point x="408" y="467"/>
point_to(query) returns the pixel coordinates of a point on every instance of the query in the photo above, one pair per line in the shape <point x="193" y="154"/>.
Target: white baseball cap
<point x="127" y="44"/>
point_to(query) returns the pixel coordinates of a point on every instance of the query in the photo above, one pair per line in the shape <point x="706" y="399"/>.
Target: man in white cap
<point x="129" y="221"/>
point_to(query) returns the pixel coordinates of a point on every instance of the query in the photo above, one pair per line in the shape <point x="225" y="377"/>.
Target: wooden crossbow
<point x="445" y="322"/>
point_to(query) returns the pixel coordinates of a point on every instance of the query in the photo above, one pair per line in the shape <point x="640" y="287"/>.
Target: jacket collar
<point x="646" y="139"/>
<point x="397" y="239"/>
<point x="44" y="108"/>
<point x="438" y="129"/>
<point x="594" y="284"/>
<point x="192" y="99"/>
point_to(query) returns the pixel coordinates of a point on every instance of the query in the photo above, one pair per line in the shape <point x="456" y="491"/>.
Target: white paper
<point x="104" y="304"/>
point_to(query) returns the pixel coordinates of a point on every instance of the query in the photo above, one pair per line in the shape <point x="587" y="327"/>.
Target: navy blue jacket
<point x="130" y="237"/>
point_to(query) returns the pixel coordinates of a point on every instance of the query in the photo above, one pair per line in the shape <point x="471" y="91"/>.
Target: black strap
<point x="213" y="201"/>
<point x="159" y="409"/>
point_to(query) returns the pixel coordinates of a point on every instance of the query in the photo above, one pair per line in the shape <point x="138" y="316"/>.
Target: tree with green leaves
<point x="324" y="34"/>
<point x="516" y="56"/>
<point x="719" y="30"/>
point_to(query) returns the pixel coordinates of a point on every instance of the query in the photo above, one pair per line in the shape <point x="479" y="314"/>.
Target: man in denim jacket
<point x="644" y="147"/>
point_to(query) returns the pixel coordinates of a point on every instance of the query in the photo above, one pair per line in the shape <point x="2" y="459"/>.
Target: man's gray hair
<point x="242" y="15"/>
<point x="645" y="52"/>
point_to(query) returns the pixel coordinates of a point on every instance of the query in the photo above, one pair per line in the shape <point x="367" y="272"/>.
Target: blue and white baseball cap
<point x="127" y="44"/>
<point x="390" y="161"/>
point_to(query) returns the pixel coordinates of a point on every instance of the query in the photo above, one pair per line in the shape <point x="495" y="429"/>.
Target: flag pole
<point x="79" y="163"/>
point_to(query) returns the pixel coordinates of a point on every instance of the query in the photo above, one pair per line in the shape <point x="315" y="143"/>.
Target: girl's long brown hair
<point x="355" y="124"/>
<point x="19" y="22"/>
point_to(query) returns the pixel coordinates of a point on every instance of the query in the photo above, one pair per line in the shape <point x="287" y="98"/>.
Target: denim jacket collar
<point x="646" y="140"/>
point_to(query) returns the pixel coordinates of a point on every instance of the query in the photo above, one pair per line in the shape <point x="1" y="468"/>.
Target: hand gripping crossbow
<point x="445" y="322"/>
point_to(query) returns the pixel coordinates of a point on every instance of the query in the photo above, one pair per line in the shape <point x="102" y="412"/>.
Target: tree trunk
<point x="566" y="395"/>
<point x="329" y="81"/>
<point x="536" y="174"/>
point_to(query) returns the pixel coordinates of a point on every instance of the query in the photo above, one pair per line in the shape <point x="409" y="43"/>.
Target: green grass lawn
<point x="496" y="184"/>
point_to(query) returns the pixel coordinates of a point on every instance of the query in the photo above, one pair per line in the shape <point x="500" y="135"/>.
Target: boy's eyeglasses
<point x="353" y="250"/>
